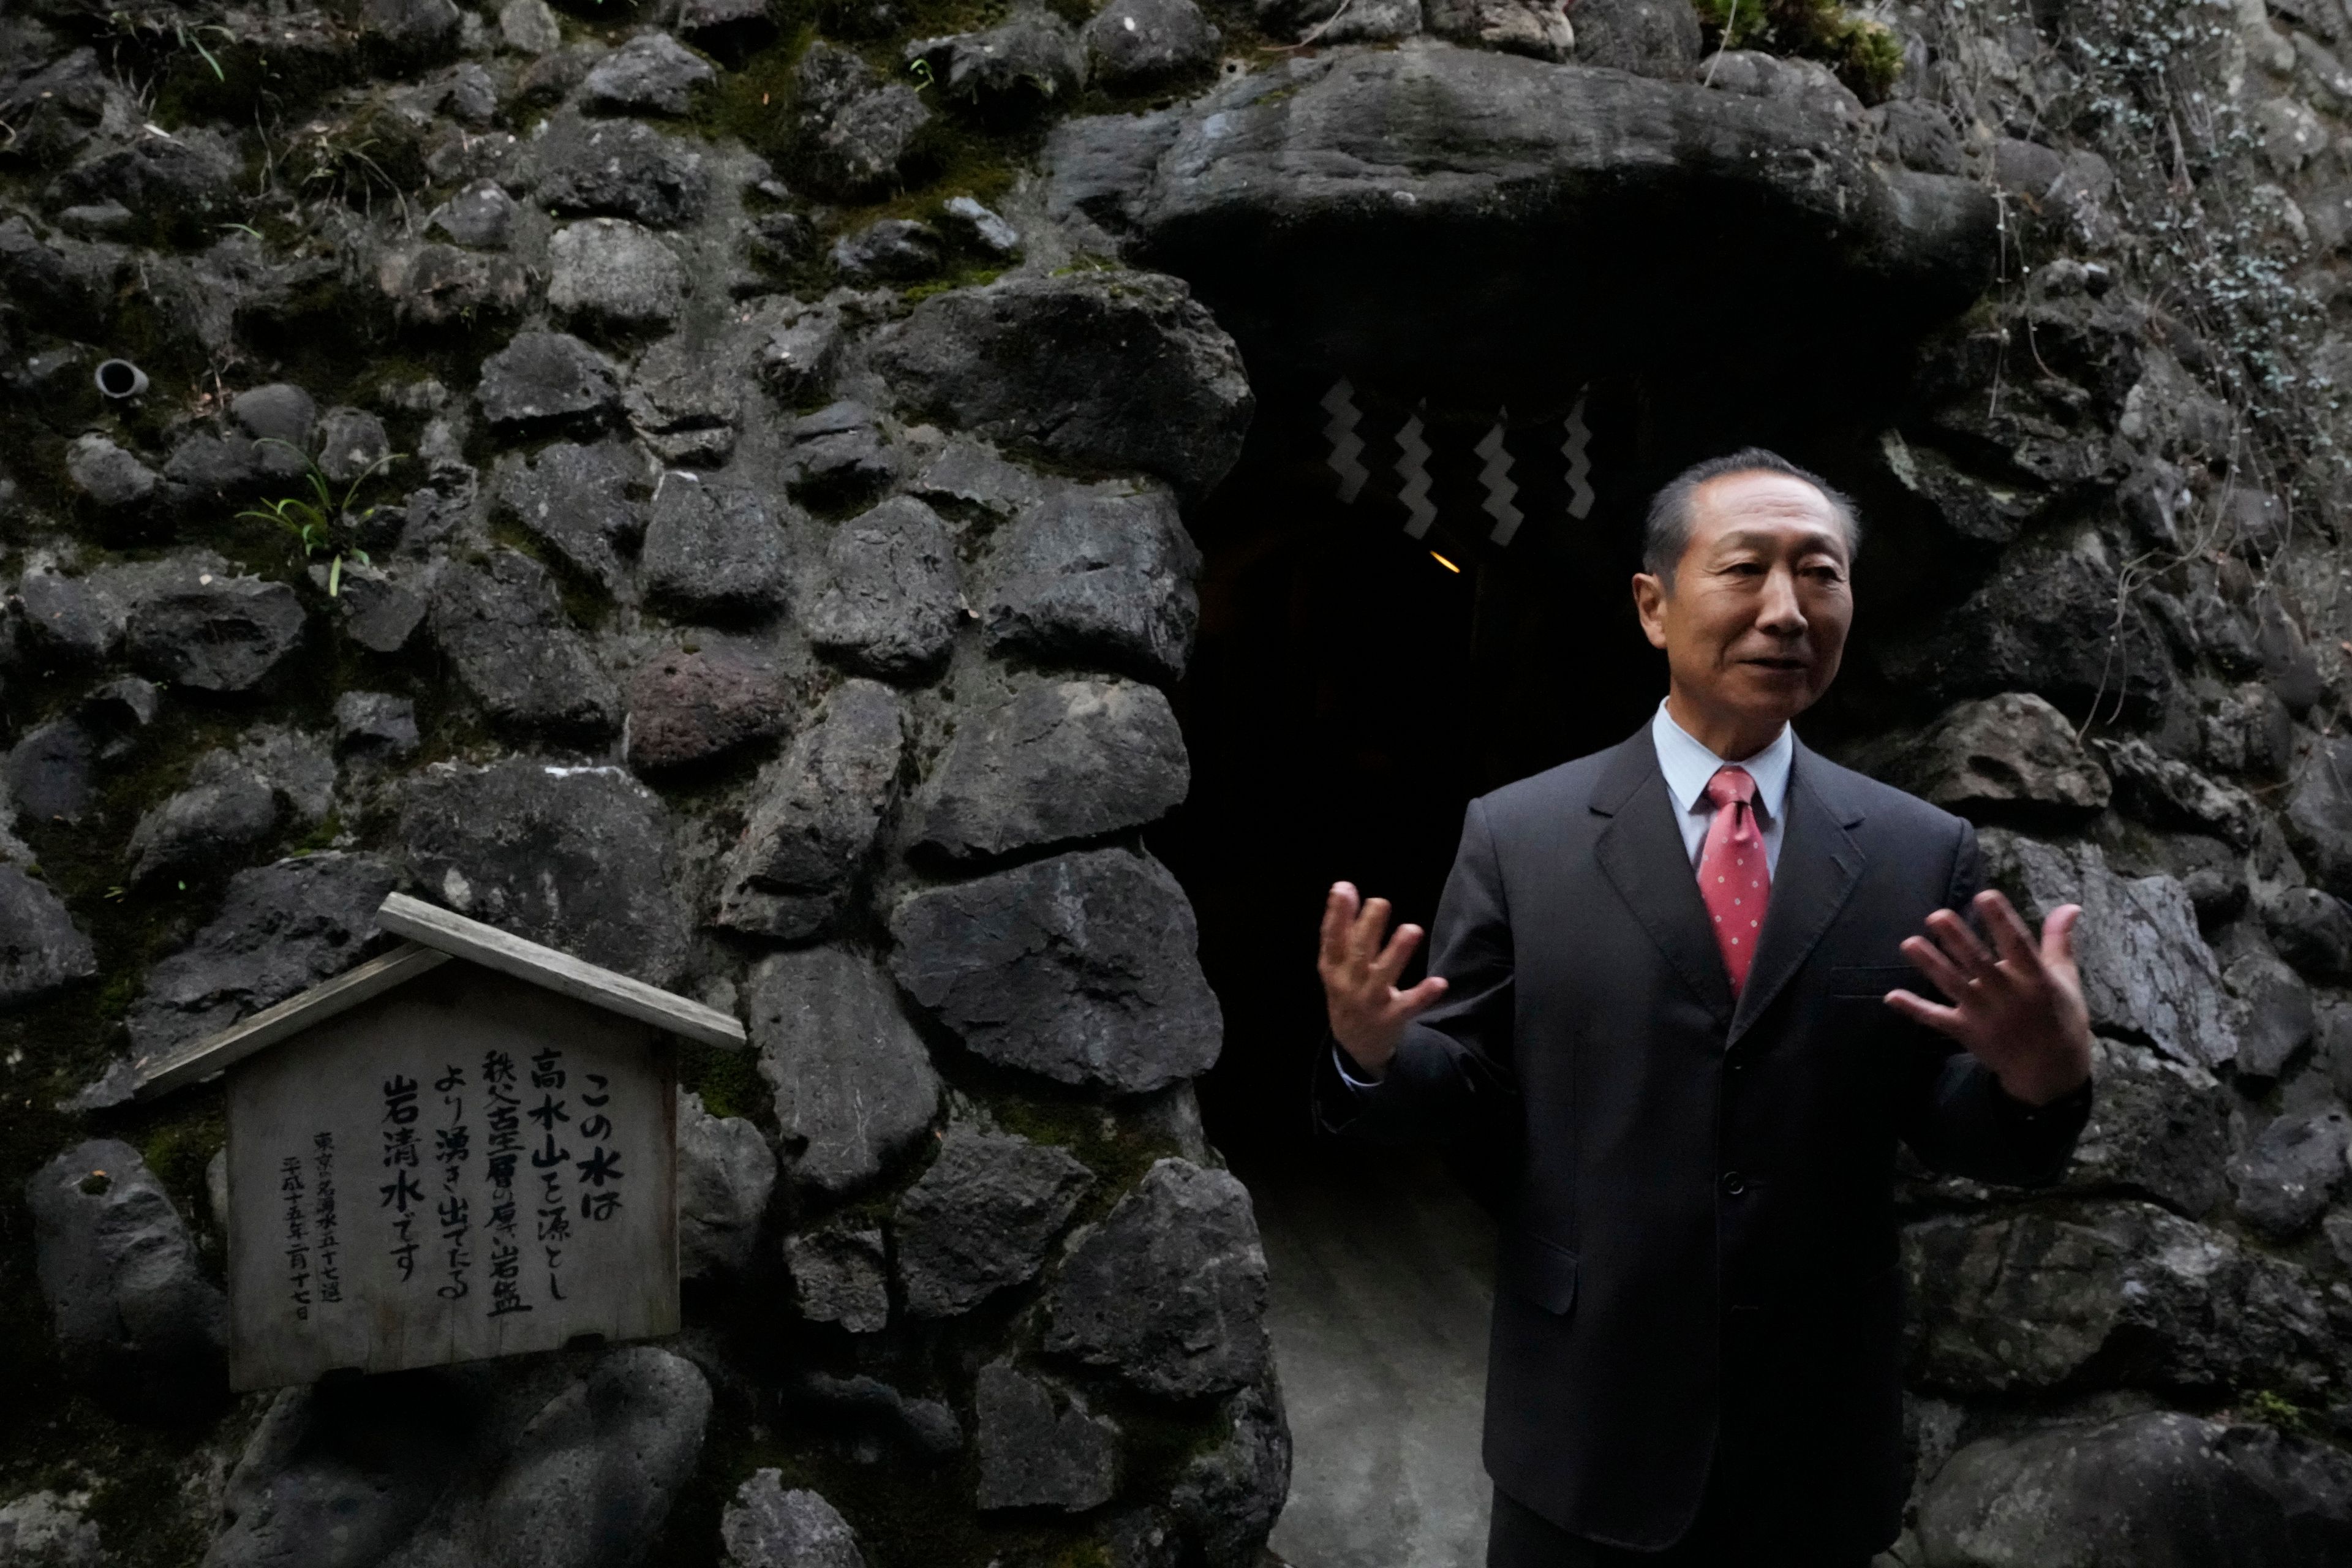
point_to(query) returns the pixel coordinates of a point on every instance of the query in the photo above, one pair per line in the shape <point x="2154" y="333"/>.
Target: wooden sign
<point x="452" y="1153"/>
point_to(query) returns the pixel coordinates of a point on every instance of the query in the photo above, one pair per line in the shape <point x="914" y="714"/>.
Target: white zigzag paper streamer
<point x="1579" y="464"/>
<point x="1497" y="477"/>
<point x="1347" y="447"/>
<point x="1413" y="467"/>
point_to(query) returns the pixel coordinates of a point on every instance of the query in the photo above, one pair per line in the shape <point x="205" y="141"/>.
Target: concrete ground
<point x="1382" y="1276"/>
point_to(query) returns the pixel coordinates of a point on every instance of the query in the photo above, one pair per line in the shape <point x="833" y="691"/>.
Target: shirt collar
<point x="1688" y="766"/>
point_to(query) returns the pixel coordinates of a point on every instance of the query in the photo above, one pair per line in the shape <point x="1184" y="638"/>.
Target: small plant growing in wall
<point x="321" y="523"/>
<point x="186" y="35"/>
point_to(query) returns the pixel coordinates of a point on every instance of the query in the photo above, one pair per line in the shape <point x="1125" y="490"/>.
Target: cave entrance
<point x="1363" y="668"/>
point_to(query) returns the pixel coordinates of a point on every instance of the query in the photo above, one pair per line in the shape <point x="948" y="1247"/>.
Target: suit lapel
<point x="1641" y="852"/>
<point x="1820" y="864"/>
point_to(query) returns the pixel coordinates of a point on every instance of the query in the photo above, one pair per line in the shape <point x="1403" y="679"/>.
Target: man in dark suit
<point x="1671" y="980"/>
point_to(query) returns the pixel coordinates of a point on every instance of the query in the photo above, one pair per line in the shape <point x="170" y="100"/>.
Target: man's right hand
<point x="1360" y="974"/>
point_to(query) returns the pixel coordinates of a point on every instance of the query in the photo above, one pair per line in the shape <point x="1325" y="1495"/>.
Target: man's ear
<point x="1649" y="595"/>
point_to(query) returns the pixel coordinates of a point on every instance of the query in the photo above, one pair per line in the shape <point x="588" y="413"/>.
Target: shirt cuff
<point x="1346" y="1073"/>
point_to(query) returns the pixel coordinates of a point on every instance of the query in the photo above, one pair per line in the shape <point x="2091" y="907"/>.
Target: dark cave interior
<point x="1353" y="687"/>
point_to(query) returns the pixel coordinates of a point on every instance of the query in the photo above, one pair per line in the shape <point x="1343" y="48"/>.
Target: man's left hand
<point x="2022" y="1013"/>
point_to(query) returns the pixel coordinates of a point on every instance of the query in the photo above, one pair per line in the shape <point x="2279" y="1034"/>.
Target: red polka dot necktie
<point x="1734" y="878"/>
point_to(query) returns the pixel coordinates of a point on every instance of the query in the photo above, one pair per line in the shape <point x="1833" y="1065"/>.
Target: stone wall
<point x="750" y="445"/>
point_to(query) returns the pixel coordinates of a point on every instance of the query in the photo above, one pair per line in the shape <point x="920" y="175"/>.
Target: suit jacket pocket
<point x="1540" y="1271"/>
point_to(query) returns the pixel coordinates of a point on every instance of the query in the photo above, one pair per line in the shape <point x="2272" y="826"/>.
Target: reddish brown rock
<point x="694" y="706"/>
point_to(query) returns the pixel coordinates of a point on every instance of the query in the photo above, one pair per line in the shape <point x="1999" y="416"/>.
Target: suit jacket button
<point x="1734" y="1183"/>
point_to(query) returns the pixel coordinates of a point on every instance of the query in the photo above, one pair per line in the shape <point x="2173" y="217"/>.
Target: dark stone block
<point x="838" y="455"/>
<point x="281" y="929"/>
<point x="41" y="949"/>
<point x="50" y="771"/>
<point x="653" y="73"/>
<point x="874" y="1415"/>
<point x="1135" y="43"/>
<point x="767" y="1524"/>
<point x="224" y="811"/>
<point x="1047" y="761"/>
<point x="509" y="644"/>
<point x="75" y="619"/>
<point x="544" y="380"/>
<point x="1169" y="1291"/>
<point x="858" y="132"/>
<point x="190" y="174"/>
<point x="1035" y="1455"/>
<point x="1649" y="38"/>
<point x="884" y="600"/>
<point x="714" y="549"/>
<point x="685" y="400"/>
<point x="890" y="250"/>
<point x="1229" y="1496"/>
<point x="436" y="285"/>
<point x="2311" y="930"/>
<point x="2291" y="1171"/>
<point x="409" y="31"/>
<point x="725" y="1175"/>
<point x="2115" y="1294"/>
<point x="562" y="1461"/>
<point x="380" y="613"/>
<point x="577" y="500"/>
<point x="374" y="726"/>
<point x="818" y="808"/>
<point x="853" y="1086"/>
<point x="280" y="418"/>
<point x="687" y="709"/>
<point x="481" y="216"/>
<point x="1019" y="67"/>
<point x="1116" y="371"/>
<point x="226" y="635"/>
<point x="2158" y="1127"/>
<point x="1080" y="968"/>
<point x="1095" y="578"/>
<point x="2159" y="1487"/>
<point x="128" y="1297"/>
<point x="611" y="274"/>
<point x="114" y="481"/>
<point x="2319" y="815"/>
<point x="840" y="1274"/>
<point x="981" y="1218"/>
<point x="1537" y="28"/>
<point x="624" y="169"/>
<point x="2049" y="622"/>
<point x="578" y="859"/>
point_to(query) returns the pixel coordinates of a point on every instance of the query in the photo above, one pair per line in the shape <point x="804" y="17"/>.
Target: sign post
<point x="464" y="1149"/>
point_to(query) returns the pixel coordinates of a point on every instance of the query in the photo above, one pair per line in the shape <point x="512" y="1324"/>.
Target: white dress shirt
<point x="1687" y="766"/>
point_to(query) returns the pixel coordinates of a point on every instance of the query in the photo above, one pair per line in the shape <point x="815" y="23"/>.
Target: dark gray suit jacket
<point x="1693" y="1174"/>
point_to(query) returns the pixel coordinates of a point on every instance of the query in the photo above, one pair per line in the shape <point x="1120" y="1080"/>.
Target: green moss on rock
<point x="1866" y="55"/>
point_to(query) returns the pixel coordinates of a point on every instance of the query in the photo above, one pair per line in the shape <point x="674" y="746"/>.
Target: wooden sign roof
<point x="435" y="936"/>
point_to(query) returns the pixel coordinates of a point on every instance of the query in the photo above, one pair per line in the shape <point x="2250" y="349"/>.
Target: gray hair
<point x="1667" y="534"/>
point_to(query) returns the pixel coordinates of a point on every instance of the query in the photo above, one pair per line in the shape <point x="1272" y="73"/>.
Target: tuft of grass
<point x="321" y="523"/>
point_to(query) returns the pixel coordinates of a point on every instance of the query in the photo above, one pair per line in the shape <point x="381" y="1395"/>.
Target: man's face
<point x="1756" y="621"/>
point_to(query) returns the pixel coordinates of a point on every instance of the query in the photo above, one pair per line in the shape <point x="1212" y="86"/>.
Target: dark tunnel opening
<point x="1364" y="669"/>
<point x="1356" y="683"/>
